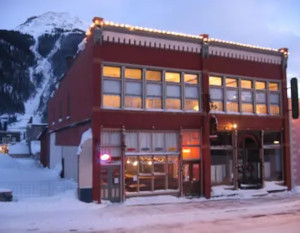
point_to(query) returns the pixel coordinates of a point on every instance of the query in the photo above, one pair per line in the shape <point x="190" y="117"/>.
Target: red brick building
<point x="170" y="113"/>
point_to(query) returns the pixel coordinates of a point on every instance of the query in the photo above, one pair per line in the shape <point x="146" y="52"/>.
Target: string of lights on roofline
<point x="100" y="22"/>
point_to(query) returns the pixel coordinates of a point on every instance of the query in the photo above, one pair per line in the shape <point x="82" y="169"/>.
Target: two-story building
<point x="169" y="113"/>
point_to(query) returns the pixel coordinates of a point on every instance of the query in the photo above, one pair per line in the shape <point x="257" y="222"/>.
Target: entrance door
<point x="249" y="165"/>
<point x="191" y="179"/>
<point x="110" y="183"/>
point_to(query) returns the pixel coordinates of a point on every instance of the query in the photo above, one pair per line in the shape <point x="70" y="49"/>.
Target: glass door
<point x="191" y="179"/>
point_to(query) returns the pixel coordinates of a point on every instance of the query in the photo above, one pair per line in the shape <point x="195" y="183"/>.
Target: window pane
<point x="191" y="92"/>
<point x="261" y="109"/>
<point x="153" y="75"/>
<point x="173" y="169"/>
<point x="247" y="96"/>
<point x="247" y="108"/>
<point x="131" y="141"/>
<point x="154" y="103"/>
<point x="110" y="138"/>
<point x="111" y="71"/>
<point x="221" y="167"/>
<point x="133" y="102"/>
<point x="216" y="106"/>
<point x="133" y="88"/>
<point x="158" y="142"/>
<point x="173" y="104"/>
<point x="261" y="97"/>
<point x="133" y="73"/>
<point x="131" y="174"/>
<point x="112" y="86"/>
<point x="274" y="98"/>
<point x="145" y="183"/>
<point x="159" y="163"/>
<point x="172" y="77"/>
<point x="216" y="93"/>
<point x="191" y="138"/>
<point x="273" y="86"/>
<point x="154" y="89"/>
<point x="246" y="83"/>
<point x="232" y="106"/>
<point x="189" y="153"/>
<point x="260" y="85"/>
<point x="274" y="109"/>
<point x="191" y="104"/>
<point x="273" y="164"/>
<point x="173" y="91"/>
<point x="145" y="164"/>
<point x="232" y="95"/>
<point x="171" y="142"/>
<point x="113" y="101"/>
<point x="231" y="82"/>
<point x="215" y="81"/>
<point x="145" y="142"/>
<point x="160" y="182"/>
<point x="191" y="78"/>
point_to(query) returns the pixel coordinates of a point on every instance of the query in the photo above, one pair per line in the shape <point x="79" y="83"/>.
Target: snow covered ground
<point x="62" y="212"/>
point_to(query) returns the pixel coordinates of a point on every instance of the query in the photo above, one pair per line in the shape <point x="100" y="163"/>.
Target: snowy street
<point x="277" y="213"/>
<point x="60" y="211"/>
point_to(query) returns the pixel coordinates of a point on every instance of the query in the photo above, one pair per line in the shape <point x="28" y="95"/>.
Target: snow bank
<point x="35" y="147"/>
<point x="296" y="189"/>
<point x="85" y="136"/>
<point x="7" y="162"/>
<point x="18" y="148"/>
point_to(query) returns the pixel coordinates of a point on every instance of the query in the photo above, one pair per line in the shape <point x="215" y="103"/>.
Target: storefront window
<point x="131" y="174"/>
<point x="221" y="167"/>
<point x="111" y="144"/>
<point x="273" y="164"/>
<point x="272" y="138"/>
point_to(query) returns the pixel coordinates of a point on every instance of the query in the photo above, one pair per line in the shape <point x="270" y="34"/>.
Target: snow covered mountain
<point x="32" y="61"/>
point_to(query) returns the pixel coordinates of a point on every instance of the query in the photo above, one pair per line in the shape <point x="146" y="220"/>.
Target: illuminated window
<point x="112" y="101"/>
<point x="173" y="94"/>
<point x="274" y="109"/>
<point x="261" y="108"/>
<point x="191" y="153"/>
<point x="191" y="145"/>
<point x="247" y="108"/>
<point x="231" y="82"/>
<point x="260" y="85"/>
<point x="152" y="75"/>
<point x="273" y="86"/>
<point x="154" y="96"/>
<point x="133" y="94"/>
<point x="191" y="78"/>
<point x="112" y="93"/>
<point x="191" y="98"/>
<point x="274" y="104"/>
<point x="191" y="138"/>
<point x="215" y="81"/>
<point x="232" y="107"/>
<point x="111" y="71"/>
<point x="246" y="84"/>
<point x="191" y="104"/>
<point x="247" y="96"/>
<point x="133" y="73"/>
<point x="216" y="99"/>
<point x="172" y="77"/>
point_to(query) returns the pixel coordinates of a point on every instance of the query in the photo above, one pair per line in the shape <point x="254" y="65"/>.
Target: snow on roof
<point x="85" y="136"/>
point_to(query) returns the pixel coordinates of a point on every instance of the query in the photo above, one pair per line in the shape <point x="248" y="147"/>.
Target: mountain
<point x="32" y="61"/>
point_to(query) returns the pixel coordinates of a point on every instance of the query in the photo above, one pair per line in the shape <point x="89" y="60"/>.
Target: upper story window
<point x="150" y="89"/>
<point x="247" y="96"/>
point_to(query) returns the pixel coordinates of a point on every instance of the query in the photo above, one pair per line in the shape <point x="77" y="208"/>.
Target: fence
<point x="33" y="189"/>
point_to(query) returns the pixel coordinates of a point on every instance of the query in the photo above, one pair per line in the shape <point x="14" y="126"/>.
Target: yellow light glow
<point x="276" y="142"/>
<point x="150" y="163"/>
<point x="128" y="161"/>
<point x="196" y="108"/>
<point x="135" y="163"/>
<point x="186" y="150"/>
<point x="234" y="126"/>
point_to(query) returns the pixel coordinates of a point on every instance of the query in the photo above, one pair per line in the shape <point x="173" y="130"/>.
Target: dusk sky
<point x="268" y="23"/>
